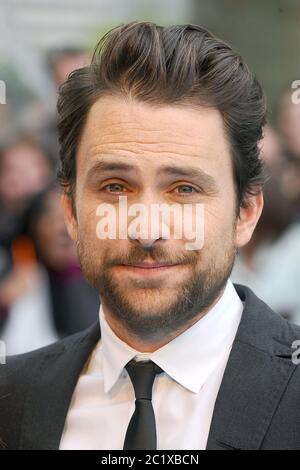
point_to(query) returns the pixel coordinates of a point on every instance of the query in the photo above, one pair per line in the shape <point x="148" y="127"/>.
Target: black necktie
<point x="141" y="431"/>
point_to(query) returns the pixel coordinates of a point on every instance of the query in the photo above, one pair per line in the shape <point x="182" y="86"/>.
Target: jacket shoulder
<point x="16" y="377"/>
<point x="262" y="327"/>
<point x="27" y="362"/>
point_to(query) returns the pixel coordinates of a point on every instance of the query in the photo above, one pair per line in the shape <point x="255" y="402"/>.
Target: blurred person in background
<point x="271" y="149"/>
<point x="74" y="303"/>
<point x="61" y="62"/>
<point x="55" y="299"/>
<point x="28" y="324"/>
<point x="24" y="171"/>
<point x="288" y="125"/>
<point x="27" y="165"/>
<point x="288" y="122"/>
<point x="276" y="240"/>
<point x="270" y="263"/>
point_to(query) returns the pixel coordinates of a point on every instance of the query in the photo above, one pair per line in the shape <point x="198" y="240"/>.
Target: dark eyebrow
<point x="191" y="172"/>
<point x="201" y="176"/>
<point x="102" y="166"/>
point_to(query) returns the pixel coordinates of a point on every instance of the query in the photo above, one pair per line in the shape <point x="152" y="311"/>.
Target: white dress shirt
<point x="183" y="396"/>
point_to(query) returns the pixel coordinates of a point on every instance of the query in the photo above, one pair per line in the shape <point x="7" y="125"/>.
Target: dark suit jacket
<point x="258" y="404"/>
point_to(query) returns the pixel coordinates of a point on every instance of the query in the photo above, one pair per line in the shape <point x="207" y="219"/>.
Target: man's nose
<point x="147" y="245"/>
<point x="153" y="224"/>
<point x="152" y="232"/>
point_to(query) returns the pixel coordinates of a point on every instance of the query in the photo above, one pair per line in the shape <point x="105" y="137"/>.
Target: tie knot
<point x="142" y="375"/>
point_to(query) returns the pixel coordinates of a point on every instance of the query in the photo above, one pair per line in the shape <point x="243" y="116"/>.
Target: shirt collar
<point x="191" y="357"/>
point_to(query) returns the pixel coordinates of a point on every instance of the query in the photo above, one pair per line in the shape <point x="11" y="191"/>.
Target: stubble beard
<point x="187" y="301"/>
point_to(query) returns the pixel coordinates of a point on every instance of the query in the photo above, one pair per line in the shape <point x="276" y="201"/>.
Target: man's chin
<point x="142" y="305"/>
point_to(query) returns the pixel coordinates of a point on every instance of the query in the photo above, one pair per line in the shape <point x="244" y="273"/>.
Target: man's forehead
<point x="121" y="128"/>
<point x="151" y="123"/>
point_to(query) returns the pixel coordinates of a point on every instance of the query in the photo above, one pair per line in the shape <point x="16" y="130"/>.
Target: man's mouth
<point x="149" y="269"/>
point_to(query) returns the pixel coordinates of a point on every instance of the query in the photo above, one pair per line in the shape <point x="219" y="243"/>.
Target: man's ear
<point x="248" y="218"/>
<point x="69" y="215"/>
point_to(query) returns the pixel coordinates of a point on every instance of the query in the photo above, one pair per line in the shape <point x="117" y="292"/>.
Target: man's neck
<point x="149" y="345"/>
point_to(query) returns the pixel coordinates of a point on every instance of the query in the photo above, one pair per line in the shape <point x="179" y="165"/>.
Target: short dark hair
<point x="177" y="65"/>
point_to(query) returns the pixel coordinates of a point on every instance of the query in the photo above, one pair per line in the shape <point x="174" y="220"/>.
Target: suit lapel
<point x="51" y="391"/>
<point x="254" y="381"/>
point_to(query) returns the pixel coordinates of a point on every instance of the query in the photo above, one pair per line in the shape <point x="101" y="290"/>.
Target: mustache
<point x="154" y="254"/>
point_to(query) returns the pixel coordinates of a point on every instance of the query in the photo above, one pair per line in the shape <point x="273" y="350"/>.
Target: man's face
<point x="133" y="149"/>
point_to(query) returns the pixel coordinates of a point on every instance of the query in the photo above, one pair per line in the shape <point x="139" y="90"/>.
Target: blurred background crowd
<point x="43" y="295"/>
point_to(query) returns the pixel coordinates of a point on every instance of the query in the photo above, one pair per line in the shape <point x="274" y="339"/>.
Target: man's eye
<point x="114" y="188"/>
<point x="185" y="189"/>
